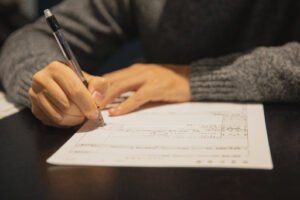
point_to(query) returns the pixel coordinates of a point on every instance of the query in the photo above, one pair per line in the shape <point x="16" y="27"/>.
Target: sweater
<point x="237" y="50"/>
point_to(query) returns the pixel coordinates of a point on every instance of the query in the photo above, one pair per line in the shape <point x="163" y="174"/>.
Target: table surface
<point x="25" y="144"/>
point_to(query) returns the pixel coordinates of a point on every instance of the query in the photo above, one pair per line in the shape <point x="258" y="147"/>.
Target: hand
<point x="152" y="83"/>
<point x="60" y="99"/>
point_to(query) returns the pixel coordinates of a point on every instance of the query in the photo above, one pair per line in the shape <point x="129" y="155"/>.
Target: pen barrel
<point x="68" y="54"/>
<point x="85" y="83"/>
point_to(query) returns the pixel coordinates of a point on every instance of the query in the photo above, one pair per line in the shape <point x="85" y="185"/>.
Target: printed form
<point x="217" y="135"/>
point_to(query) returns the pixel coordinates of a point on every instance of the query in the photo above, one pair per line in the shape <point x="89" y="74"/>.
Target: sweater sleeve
<point x="266" y="74"/>
<point x="94" y="29"/>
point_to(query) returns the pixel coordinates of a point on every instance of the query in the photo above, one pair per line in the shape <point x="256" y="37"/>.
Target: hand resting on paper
<point x="152" y="83"/>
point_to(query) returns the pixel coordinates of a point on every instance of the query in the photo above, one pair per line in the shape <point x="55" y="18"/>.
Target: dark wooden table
<point x="25" y="144"/>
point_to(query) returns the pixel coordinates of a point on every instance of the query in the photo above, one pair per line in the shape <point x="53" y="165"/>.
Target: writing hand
<point x="60" y="99"/>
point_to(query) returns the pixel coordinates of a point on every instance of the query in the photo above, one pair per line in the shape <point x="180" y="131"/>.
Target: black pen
<point x="67" y="52"/>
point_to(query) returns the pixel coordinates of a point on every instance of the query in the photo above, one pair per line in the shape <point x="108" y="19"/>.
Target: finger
<point x="72" y="116"/>
<point x="76" y="92"/>
<point x="53" y="92"/>
<point x="118" y="88"/>
<point x="38" y="113"/>
<point x="98" y="87"/>
<point x="48" y="109"/>
<point x="141" y="97"/>
<point x="68" y="120"/>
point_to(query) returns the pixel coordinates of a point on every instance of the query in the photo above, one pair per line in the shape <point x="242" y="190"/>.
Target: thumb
<point x="98" y="87"/>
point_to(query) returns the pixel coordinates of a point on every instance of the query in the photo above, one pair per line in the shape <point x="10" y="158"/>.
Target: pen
<point x="67" y="52"/>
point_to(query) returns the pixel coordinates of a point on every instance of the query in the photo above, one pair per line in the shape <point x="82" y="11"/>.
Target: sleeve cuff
<point x="19" y="84"/>
<point x="211" y="83"/>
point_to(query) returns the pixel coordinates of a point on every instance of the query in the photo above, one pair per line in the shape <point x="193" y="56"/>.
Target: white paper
<point x="7" y="108"/>
<point x="176" y="135"/>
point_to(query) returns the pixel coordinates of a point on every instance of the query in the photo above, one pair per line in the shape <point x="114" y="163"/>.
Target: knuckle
<point x="75" y="92"/>
<point x="53" y="65"/>
<point x="99" y="81"/>
<point x="38" y="76"/>
<point x="55" y="68"/>
<point x="31" y="93"/>
<point x="104" y="81"/>
<point x="105" y="84"/>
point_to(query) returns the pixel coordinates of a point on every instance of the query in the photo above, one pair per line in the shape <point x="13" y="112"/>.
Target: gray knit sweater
<point x="238" y="50"/>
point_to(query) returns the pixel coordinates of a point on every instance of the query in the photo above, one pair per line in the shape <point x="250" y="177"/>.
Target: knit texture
<point x="238" y="50"/>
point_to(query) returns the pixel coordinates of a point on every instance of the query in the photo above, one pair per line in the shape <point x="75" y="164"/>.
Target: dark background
<point x="12" y="19"/>
<point x="43" y="4"/>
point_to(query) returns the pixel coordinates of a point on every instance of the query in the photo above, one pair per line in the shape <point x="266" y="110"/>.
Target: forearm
<point x="263" y="75"/>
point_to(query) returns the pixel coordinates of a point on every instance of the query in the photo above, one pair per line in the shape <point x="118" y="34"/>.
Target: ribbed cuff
<point x="211" y="83"/>
<point x="22" y="87"/>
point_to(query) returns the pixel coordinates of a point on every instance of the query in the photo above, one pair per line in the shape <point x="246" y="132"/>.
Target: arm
<point x="94" y="29"/>
<point x="267" y="74"/>
<point x="263" y="75"/>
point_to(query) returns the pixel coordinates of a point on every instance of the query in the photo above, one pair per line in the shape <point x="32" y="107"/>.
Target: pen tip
<point x="47" y="13"/>
<point x="100" y="118"/>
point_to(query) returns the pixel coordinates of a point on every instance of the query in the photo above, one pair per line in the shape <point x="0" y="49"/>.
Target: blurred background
<point x="16" y="13"/>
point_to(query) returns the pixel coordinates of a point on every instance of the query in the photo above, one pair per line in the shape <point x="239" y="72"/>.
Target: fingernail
<point x="97" y="96"/>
